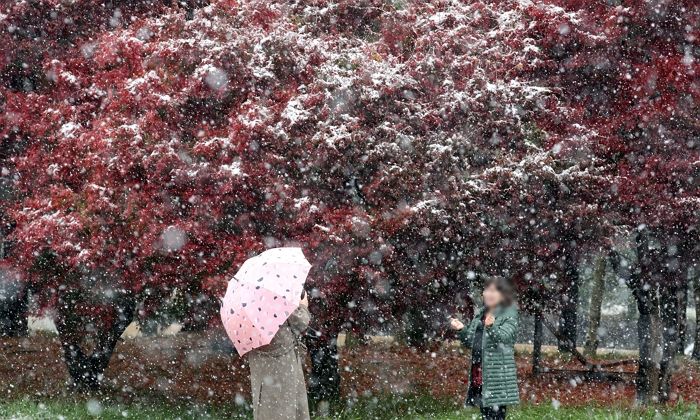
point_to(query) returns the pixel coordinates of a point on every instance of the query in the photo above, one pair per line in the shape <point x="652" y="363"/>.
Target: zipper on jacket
<point x="483" y="360"/>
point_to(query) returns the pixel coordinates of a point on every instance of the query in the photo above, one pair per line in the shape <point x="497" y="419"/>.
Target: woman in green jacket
<point x="493" y="381"/>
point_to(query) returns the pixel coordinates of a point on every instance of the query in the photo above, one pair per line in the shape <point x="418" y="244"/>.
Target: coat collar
<point x="500" y="310"/>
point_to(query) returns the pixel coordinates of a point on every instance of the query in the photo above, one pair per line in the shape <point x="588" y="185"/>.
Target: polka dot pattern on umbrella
<point x="262" y="295"/>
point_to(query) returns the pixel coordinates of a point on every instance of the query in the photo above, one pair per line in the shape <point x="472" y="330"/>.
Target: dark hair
<point x="504" y="286"/>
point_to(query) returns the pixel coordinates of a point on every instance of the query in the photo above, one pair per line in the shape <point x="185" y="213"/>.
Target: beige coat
<point x="276" y="373"/>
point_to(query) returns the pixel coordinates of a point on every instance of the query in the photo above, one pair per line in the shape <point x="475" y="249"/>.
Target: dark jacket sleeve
<point x="504" y="329"/>
<point x="466" y="334"/>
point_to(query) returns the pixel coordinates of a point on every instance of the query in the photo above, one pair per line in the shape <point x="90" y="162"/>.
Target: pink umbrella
<point x="262" y="295"/>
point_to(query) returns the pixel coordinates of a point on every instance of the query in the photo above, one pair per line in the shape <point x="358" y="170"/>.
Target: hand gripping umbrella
<point x="262" y="295"/>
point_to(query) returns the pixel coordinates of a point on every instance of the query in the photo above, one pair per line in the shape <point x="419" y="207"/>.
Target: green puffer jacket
<point x="500" y="381"/>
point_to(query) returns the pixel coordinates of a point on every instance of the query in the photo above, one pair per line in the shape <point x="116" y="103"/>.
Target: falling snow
<point x="413" y="153"/>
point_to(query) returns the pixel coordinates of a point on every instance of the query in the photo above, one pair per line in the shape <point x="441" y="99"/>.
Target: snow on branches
<point x="407" y="145"/>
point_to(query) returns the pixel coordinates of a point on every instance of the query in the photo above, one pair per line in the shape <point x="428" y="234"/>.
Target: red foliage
<point x="411" y="150"/>
<point x="171" y="149"/>
<point x="631" y="77"/>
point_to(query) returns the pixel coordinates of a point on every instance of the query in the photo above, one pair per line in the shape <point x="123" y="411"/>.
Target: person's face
<point x="492" y="297"/>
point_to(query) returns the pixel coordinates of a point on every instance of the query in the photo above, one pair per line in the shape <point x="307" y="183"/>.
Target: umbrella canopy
<point x="262" y="295"/>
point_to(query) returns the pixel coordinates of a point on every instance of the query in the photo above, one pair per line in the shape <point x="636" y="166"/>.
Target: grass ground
<point x="379" y="409"/>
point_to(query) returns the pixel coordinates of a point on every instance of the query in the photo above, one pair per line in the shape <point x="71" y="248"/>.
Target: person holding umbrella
<point x="277" y="373"/>
<point x="265" y="312"/>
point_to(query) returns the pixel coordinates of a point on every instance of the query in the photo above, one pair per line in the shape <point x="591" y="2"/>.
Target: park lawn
<point x="379" y="409"/>
<point x="545" y="412"/>
<point x="425" y="408"/>
<point x="94" y="409"/>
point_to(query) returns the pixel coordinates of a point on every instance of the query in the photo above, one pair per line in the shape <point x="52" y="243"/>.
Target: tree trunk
<point x="683" y="317"/>
<point x="669" y="311"/>
<point x="537" y="344"/>
<point x="324" y="381"/>
<point x="13" y="314"/>
<point x="568" y="323"/>
<point x="14" y="300"/>
<point x="198" y="308"/>
<point x="417" y="328"/>
<point x="649" y="336"/>
<point x="696" y="298"/>
<point x="656" y="292"/>
<point x="86" y="369"/>
<point x="598" y="287"/>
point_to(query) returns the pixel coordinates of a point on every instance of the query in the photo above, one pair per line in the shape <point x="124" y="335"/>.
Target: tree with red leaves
<point x="630" y="73"/>
<point x="446" y="145"/>
<point x="169" y="149"/>
<point x="412" y="149"/>
<point x="116" y="200"/>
